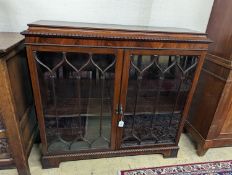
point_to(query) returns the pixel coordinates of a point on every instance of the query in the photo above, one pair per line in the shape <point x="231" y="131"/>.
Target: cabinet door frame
<point x="37" y="95"/>
<point x="125" y="79"/>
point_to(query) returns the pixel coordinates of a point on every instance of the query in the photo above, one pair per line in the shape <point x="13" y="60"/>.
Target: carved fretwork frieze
<point x="115" y="37"/>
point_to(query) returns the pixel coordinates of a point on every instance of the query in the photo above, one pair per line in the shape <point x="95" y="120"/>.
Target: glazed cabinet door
<point x="155" y="86"/>
<point x="79" y="90"/>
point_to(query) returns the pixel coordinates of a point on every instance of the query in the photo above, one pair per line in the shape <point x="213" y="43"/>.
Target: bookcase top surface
<point x="9" y="40"/>
<point x="112" y="32"/>
<point x="115" y="27"/>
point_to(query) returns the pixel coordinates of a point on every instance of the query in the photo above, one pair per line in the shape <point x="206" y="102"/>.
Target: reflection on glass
<point x="77" y="92"/>
<point x="157" y="91"/>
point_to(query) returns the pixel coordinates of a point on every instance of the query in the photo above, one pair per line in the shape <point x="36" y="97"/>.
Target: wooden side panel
<point x="22" y="94"/>
<point x="14" y="134"/>
<point x="18" y="74"/>
<point x="206" y="98"/>
<point x="209" y="120"/>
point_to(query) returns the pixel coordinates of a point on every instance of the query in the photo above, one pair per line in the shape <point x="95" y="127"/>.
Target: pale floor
<point x="111" y="166"/>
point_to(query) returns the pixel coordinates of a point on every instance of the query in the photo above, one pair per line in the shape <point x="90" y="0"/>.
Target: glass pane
<point x="2" y="126"/>
<point x="157" y="90"/>
<point x="77" y="93"/>
<point x="4" y="149"/>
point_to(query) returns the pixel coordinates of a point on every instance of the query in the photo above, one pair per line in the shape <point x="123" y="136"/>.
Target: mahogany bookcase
<point x="111" y="90"/>
<point x="210" y="117"/>
<point x="18" y="124"/>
